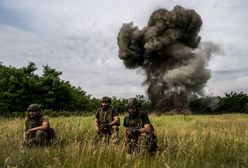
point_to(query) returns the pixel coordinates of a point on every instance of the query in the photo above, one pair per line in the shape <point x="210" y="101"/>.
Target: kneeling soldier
<point x="107" y="121"/>
<point x="37" y="128"/>
<point x="139" y="131"/>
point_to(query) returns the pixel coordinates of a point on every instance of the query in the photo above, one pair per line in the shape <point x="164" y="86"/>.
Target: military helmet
<point x="34" y="107"/>
<point x="133" y="103"/>
<point x="106" y="99"/>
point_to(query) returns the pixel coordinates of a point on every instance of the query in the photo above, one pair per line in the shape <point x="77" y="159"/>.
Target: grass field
<point x="184" y="141"/>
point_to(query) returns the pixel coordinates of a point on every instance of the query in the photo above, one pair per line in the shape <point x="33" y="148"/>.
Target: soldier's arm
<point x="116" y="120"/>
<point x="147" y="129"/>
<point x="97" y="126"/>
<point x="25" y="126"/>
<point x="25" y="131"/>
<point x="44" y="125"/>
<point x="126" y="128"/>
<point x="147" y="125"/>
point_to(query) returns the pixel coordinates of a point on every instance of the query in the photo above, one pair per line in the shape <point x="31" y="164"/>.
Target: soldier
<point x="139" y="131"/>
<point x="107" y="121"/>
<point x="37" y="128"/>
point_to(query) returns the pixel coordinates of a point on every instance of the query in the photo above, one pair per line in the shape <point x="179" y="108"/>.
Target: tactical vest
<point x="34" y="122"/>
<point x="134" y="121"/>
<point x="106" y="116"/>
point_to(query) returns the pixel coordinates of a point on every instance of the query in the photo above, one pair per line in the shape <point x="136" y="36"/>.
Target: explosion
<point x="170" y="52"/>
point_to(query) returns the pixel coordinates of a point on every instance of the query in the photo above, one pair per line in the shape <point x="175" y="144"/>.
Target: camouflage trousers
<point x="146" y="143"/>
<point x="112" y="136"/>
<point x="37" y="138"/>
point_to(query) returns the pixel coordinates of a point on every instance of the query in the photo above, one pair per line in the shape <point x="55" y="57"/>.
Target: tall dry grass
<point x="184" y="141"/>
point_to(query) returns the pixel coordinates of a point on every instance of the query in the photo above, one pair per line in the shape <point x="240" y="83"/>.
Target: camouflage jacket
<point x="33" y="122"/>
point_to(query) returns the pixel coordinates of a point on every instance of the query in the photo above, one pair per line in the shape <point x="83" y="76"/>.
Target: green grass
<point x="184" y="141"/>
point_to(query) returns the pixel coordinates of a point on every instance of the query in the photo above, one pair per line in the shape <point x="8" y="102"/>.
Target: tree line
<point x="20" y="87"/>
<point x="232" y="102"/>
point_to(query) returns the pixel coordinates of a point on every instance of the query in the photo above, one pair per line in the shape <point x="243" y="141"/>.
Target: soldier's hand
<point x="29" y="131"/>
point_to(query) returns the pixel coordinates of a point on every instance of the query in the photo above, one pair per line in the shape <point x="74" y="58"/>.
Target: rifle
<point x="104" y="128"/>
<point x="132" y="136"/>
<point x="132" y="132"/>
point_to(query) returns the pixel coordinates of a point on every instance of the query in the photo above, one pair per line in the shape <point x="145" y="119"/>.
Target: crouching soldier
<point x="107" y="121"/>
<point x="139" y="131"/>
<point x="37" y="128"/>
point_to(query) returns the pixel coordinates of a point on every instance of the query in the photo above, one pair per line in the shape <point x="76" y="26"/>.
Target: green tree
<point x="20" y="87"/>
<point x="234" y="102"/>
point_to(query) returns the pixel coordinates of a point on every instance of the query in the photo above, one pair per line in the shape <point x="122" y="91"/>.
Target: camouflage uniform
<point x="39" y="137"/>
<point x="135" y="140"/>
<point x="108" y="133"/>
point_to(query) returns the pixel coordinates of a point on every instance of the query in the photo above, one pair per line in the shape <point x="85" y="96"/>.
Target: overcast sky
<point x="79" y="38"/>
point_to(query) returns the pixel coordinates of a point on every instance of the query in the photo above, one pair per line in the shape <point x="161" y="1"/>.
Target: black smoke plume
<point x="168" y="50"/>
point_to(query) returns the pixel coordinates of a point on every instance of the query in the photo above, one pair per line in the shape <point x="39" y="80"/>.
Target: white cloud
<point x="226" y="85"/>
<point x="79" y="38"/>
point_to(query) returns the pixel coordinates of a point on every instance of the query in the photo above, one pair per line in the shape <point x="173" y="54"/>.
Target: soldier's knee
<point x="39" y="133"/>
<point x="150" y="143"/>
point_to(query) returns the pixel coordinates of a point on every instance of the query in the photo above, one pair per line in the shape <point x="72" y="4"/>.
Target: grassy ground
<point x="184" y="141"/>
